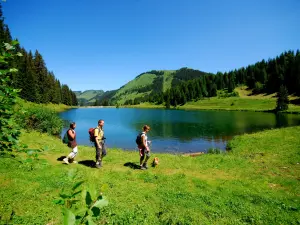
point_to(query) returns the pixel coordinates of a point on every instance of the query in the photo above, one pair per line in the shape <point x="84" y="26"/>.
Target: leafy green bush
<point x="225" y="94"/>
<point x="41" y="119"/>
<point x="9" y="130"/>
<point x="84" y="209"/>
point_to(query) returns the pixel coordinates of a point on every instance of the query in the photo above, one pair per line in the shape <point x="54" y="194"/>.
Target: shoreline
<point x="209" y="109"/>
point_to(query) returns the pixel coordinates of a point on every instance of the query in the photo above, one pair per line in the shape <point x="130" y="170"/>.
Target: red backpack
<point x="92" y="134"/>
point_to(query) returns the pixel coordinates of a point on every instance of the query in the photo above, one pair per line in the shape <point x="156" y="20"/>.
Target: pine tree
<point x="41" y="73"/>
<point x="264" y="76"/>
<point x="282" y="99"/>
<point x="296" y="72"/>
<point x="213" y="90"/>
<point x="28" y="87"/>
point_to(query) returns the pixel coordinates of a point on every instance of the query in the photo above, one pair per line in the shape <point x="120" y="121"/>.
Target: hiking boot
<point x="66" y="160"/>
<point x="98" y="165"/>
<point x="145" y="166"/>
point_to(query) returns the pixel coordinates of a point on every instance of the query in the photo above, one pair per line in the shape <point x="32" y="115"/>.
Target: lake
<point x="173" y="131"/>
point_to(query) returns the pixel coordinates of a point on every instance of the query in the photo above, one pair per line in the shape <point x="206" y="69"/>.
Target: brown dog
<point x="155" y="162"/>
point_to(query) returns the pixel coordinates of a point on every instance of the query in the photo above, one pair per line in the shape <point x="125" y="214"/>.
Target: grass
<point x="257" y="182"/>
<point x="140" y="81"/>
<point x="168" y="78"/>
<point x="145" y="79"/>
<point x="245" y="102"/>
<point x="22" y="104"/>
<point x="131" y="96"/>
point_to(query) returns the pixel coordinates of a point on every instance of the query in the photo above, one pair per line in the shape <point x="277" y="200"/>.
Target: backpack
<point x="65" y="139"/>
<point x="92" y="134"/>
<point x="138" y="139"/>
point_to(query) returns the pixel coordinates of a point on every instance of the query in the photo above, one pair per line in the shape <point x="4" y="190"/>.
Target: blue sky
<point x="103" y="44"/>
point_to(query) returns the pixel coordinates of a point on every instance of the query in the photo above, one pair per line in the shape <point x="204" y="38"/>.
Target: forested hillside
<point x="174" y="88"/>
<point x="263" y="77"/>
<point x="146" y="85"/>
<point x="88" y="97"/>
<point x="35" y="81"/>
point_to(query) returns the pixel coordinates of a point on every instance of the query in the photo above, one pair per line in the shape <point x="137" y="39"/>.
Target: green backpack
<point x="65" y="139"/>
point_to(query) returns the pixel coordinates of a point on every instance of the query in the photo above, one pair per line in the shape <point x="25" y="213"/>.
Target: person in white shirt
<point x="143" y="147"/>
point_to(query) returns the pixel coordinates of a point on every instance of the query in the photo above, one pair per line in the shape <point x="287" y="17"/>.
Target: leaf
<point x="69" y="217"/>
<point x="59" y="201"/>
<point x="77" y="185"/>
<point x="8" y="46"/>
<point x="13" y="70"/>
<point x="76" y="193"/>
<point x="64" y="196"/>
<point x="88" y="198"/>
<point x="19" y="54"/>
<point x="96" y="211"/>
<point x="101" y="203"/>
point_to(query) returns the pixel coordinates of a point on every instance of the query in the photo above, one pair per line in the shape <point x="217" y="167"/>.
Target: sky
<point x="103" y="44"/>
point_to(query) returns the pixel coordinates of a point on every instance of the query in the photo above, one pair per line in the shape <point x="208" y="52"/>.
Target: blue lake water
<point x="173" y="131"/>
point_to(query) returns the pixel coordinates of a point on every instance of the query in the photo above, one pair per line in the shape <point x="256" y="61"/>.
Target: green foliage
<point x="9" y="130"/>
<point x="32" y="158"/>
<point x="188" y="85"/>
<point x="224" y="94"/>
<point x="85" y="213"/>
<point x="214" y="151"/>
<point x="258" y="88"/>
<point x="42" y="119"/>
<point x="232" y="188"/>
<point x="282" y="99"/>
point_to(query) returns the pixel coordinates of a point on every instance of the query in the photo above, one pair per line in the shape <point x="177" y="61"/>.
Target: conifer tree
<point x="41" y="73"/>
<point x="282" y="99"/>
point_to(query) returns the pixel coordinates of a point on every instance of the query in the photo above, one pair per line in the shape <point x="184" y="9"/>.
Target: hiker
<point x="71" y="134"/>
<point x="99" y="143"/>
<point x="144" y="148"/>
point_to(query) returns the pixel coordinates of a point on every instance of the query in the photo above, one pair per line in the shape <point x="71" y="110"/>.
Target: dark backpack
<point x="138" y="139"/>
<point x="65" y="139"/>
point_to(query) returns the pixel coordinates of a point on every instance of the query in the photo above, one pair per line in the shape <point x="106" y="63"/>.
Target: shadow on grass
<point x="61" y="158"/>
<point x="132" y="165"/>
<point x="88" y="163"/>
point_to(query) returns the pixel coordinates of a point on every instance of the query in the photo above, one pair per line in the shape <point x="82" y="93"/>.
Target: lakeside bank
<point x="260" y="172"/>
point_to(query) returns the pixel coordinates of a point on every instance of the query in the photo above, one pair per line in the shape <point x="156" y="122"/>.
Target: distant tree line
<point x="36" y="82"/>
<point x="155" y="72"/>
<point x="263" y="77"/>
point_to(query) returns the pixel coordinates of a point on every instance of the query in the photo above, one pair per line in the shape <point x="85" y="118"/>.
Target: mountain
<point x="145" y="84"/>
<point x="153" y="82"/>
<point x="88" y="97"/>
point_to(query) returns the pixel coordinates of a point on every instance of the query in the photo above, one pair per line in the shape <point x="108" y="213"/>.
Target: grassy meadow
<point x="245" y="102"/>
<point x="256" y="182"/>
<point x="24" y="105"/>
